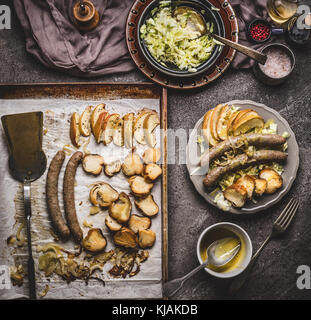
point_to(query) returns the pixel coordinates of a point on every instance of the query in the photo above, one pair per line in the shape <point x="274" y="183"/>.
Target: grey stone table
<point x="274" y="276"/>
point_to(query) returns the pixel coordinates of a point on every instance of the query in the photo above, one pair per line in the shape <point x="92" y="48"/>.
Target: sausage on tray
<point x="242" y="161"/>
<point x="52" y="195"/>
<point x="69" y="196"/>
<point x="252" y="139"/>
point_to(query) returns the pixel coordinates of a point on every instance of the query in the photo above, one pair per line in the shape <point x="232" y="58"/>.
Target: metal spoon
<point x="197" y="23"/>
<point x="172" y="287"/>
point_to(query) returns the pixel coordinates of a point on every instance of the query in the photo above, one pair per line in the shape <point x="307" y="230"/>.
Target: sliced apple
<point x="128" y="129"/>
<point x="214" y="120"/>
<point x="118" y="133"/>
<point x="223" y="119"/>
<point x="248" y="183"/>
<point x="230" y="122"/>
<point x="139" y="125"/>
<point x="85" y="122"/>
<point x="98" y="129"/>
<point x="108" y="127"/>
<point x="74" y="130"/>
<point x="150" y="123"/>
<point x="247" y="123"/>
<point x="206" y="128"/>
<point x="95" y="114"/>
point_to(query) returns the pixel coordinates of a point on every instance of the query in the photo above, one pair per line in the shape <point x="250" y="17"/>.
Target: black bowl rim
<point x="176" y="73"/>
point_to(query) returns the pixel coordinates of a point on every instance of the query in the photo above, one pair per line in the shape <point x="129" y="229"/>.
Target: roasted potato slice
<point x="151" y="155"/>
<point x="112" y="224"/>
<point x="112" y="168"/>
<point x="74" y="130"/>
<point x="93" y="163"/>
<point x="146" y="238"/>
<point x="103" y="195"/>
<point x="150" y="123"/>
<point x="236" y="194"/>
<point x="260" y="187"/>
<point x="95" y="241"/>
<point x="248" y="183"/>
<point x="132" y="165"/>
<point x="85" y="122"/>
<point x="151" y="172"/>
<point x="274" y="180"/>
<point x="147" y="206"/>
<point x="138" y="223"/>
<point x="125" y="238"/>
<point x="120" y="210"/>
<point x="139" y="186"/>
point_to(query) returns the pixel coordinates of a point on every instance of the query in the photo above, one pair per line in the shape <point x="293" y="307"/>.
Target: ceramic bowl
<point x="209" y="15"/>
<point x="245" y="240"/>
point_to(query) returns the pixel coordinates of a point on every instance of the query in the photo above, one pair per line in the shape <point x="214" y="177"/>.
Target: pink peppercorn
<point x="260" y="31"/>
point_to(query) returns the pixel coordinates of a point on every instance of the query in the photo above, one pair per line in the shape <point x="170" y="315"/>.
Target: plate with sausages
<point x="242" y="157"/>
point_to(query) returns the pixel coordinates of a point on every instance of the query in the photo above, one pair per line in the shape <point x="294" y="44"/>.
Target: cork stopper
<point x="86" y="17"/>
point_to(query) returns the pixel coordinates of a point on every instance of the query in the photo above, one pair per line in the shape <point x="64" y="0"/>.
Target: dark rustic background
<point x="274" y="276"/>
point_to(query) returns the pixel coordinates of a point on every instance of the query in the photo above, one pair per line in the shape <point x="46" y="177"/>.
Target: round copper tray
<point x="215" y="71"/>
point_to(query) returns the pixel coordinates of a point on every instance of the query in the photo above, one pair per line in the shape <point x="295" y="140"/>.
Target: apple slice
<point x="128" y="128"/>
<point x="248" y="123"/>
<point x="98" y="129"/>
<point x="139" y="125"/>
<point x="206" y="128"/>
<point x="118" y="133"/>
<point x="230" y="122"/>
<point x="74" y="130"/>
<point x="214" y="120"/>
<point x="95" y="114"/>
<point x="151" y="121"/>
<point x="108" y="127"/>
<point x="223" y="119"/>
<point x="85" y="122"/>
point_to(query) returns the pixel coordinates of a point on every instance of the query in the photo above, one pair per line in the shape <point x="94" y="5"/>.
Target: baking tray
<point x="93" y="91"/>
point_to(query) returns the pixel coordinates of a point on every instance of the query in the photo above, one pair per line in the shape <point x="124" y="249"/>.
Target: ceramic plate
<point x="290" y="167"/>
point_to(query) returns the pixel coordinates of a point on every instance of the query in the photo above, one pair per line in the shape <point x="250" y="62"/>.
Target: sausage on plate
<point x="240" y="162"/>
<point x="252" y="139"/>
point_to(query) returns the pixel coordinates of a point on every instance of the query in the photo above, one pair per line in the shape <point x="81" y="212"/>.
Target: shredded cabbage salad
<point x="171" y="41"/>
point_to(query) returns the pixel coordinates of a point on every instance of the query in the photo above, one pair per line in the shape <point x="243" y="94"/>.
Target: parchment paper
<point x="57" y="113"/>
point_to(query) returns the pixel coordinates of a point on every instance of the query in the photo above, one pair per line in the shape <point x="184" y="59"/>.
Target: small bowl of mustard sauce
<point x="226" y="230"/>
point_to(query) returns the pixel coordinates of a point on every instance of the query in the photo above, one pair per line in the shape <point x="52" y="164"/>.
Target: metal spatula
<point x="27" y="163"/>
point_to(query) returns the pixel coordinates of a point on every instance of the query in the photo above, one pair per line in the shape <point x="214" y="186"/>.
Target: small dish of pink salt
<point x="279" y="65"/>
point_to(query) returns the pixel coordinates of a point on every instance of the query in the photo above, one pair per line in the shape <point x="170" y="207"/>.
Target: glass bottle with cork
<point x="280" y="11"/>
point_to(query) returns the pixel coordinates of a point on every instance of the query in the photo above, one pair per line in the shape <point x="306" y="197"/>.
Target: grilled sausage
<point x="241" y="161"/>
<point x="69" y="196"/>
<point x="216" y="173"/>
<point x="52" y="195"/>
<point x="253" y="139"/>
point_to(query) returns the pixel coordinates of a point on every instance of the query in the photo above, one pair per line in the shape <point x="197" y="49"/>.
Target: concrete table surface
<point x="274" y="276"/>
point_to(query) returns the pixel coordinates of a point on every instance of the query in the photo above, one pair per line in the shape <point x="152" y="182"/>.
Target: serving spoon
<point x="197" y="23"/>
<point x="215" y="259"/>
